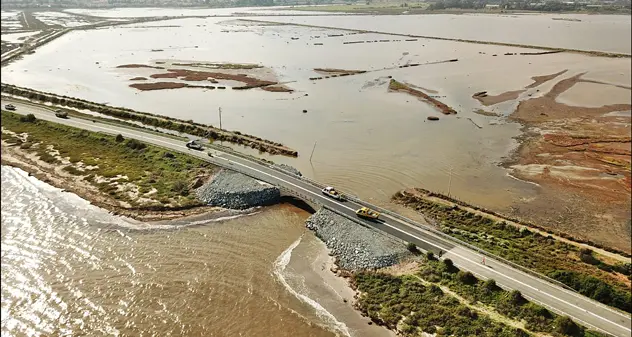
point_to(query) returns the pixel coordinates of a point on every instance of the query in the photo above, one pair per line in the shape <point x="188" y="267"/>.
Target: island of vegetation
<point x="251" y="75"/>
<point x="396" y="86"/>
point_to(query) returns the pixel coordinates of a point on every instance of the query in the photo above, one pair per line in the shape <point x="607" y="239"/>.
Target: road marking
<point x="559" y="288"/>
<point x="384" y="223"/>
<point x="452" y="253"/>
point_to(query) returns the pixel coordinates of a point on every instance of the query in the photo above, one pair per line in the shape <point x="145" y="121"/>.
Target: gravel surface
<point x="288" y="168"/>
<point x="355" y="246"/>
<point x="234" y="190"/>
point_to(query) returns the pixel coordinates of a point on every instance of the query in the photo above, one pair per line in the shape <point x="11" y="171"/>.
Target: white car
<point x="331" y="192"/>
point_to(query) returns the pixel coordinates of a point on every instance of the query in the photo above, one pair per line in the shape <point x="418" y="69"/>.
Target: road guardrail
<point x="402" y="218"/>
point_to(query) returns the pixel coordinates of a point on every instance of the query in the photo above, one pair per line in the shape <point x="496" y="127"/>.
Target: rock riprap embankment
<point x="234" y="190"/>
<point x="288" y="168"/>
<point x="355" y="246"/>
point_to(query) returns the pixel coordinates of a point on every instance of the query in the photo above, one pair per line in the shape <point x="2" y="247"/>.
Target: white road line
<point x="558" y="311"/>
<point x="568" y="292"/>
<point x="460" y="256"/>
<point x="395" y="228"/>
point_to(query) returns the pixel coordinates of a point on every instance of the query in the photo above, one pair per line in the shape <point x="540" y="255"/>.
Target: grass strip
<point x="405" y="303"/>
<point x="578" y="268"/>
<point x="145" y="176"/>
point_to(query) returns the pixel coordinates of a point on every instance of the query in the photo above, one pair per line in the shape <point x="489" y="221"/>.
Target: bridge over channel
<point x="535" y="287"/>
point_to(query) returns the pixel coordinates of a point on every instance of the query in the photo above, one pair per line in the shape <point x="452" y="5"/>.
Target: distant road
<point x="582" y="309"/>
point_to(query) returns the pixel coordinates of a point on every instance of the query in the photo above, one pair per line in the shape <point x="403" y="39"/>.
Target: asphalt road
<point x="580" y="308"/>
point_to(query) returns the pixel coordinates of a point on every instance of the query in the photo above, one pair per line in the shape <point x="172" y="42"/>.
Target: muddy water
<point x="149" y="12"/>
<point x="368" y="141"/>
<point x="592" y="32"/>
<point x="594" y="95"/>
<point x="575" y="31"/>
<point x="69" y="268"/>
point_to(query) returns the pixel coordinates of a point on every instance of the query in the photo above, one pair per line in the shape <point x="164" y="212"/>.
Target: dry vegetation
<point x="207" y="72"/>
<point x="603" y="279"/>
<point x="440" y="299"/>
<point x="122" y="175"/>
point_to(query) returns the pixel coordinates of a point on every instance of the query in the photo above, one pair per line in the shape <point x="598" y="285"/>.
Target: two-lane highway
<point x="554" y="297"/>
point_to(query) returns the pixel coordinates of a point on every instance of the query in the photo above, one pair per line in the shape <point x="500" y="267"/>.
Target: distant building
<point x="488" y="6"/>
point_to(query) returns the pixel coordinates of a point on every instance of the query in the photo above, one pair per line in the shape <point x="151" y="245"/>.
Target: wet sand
<point x="488" y="100"/>
<point x="580" y="156"/>
<point x="310" y="260"/>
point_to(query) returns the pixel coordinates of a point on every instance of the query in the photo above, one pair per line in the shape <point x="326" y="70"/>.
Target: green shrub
<point x="412" y="248"/>
<point x="135" y="144"/>
<point x="29" y="118"/>
<point x="529" y="249"/>
<point x="565" y="326"/>
<point x="623" y="268"/>
<point x="466" y="277"/>
<point x="448" y="266"/>
<point x="594" y="288"/>
<point x="386" y="298"/>
<point x="490" y="285"/>
<point x="515" y="298"/>
<point x="180" y="187"/>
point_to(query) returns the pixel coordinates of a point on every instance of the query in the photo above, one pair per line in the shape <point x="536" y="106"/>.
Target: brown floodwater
<point x="367" y="141"/>
<point x="69" y="268"/>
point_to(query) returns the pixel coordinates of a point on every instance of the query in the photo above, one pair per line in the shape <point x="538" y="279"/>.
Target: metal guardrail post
<point x="379" y="209"/>
<point x="410" y="221"/>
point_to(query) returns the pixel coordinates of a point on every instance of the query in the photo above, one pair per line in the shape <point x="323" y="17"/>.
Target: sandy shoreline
<point x="313" y="265"/>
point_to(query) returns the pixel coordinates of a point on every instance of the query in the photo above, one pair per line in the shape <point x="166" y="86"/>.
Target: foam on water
<point x="153" y="226"/>
<point x="279" y="268"/>
<point x="71" y="268"/>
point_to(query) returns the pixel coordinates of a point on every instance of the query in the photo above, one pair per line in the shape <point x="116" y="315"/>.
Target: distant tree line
<point x="547" y="6"/>
<point x="462" y="4"/>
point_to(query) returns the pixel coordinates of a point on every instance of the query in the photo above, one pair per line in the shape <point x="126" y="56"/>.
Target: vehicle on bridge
<point x="61" y="114"/>
<point x="331" y="192"/>
<point x="367" y="213"/>
<point x="10" y="107"/>
<point x="195" y="146"/>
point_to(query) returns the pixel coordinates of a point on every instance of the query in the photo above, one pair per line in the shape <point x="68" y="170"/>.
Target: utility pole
<point x="314" y="148"/>
<point x="450" y="182"/>
<point x="220" y="117"/>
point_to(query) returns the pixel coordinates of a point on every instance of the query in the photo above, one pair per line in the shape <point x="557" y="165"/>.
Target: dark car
<point x="195" y="146"/>
<point x="61" y="114"/>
